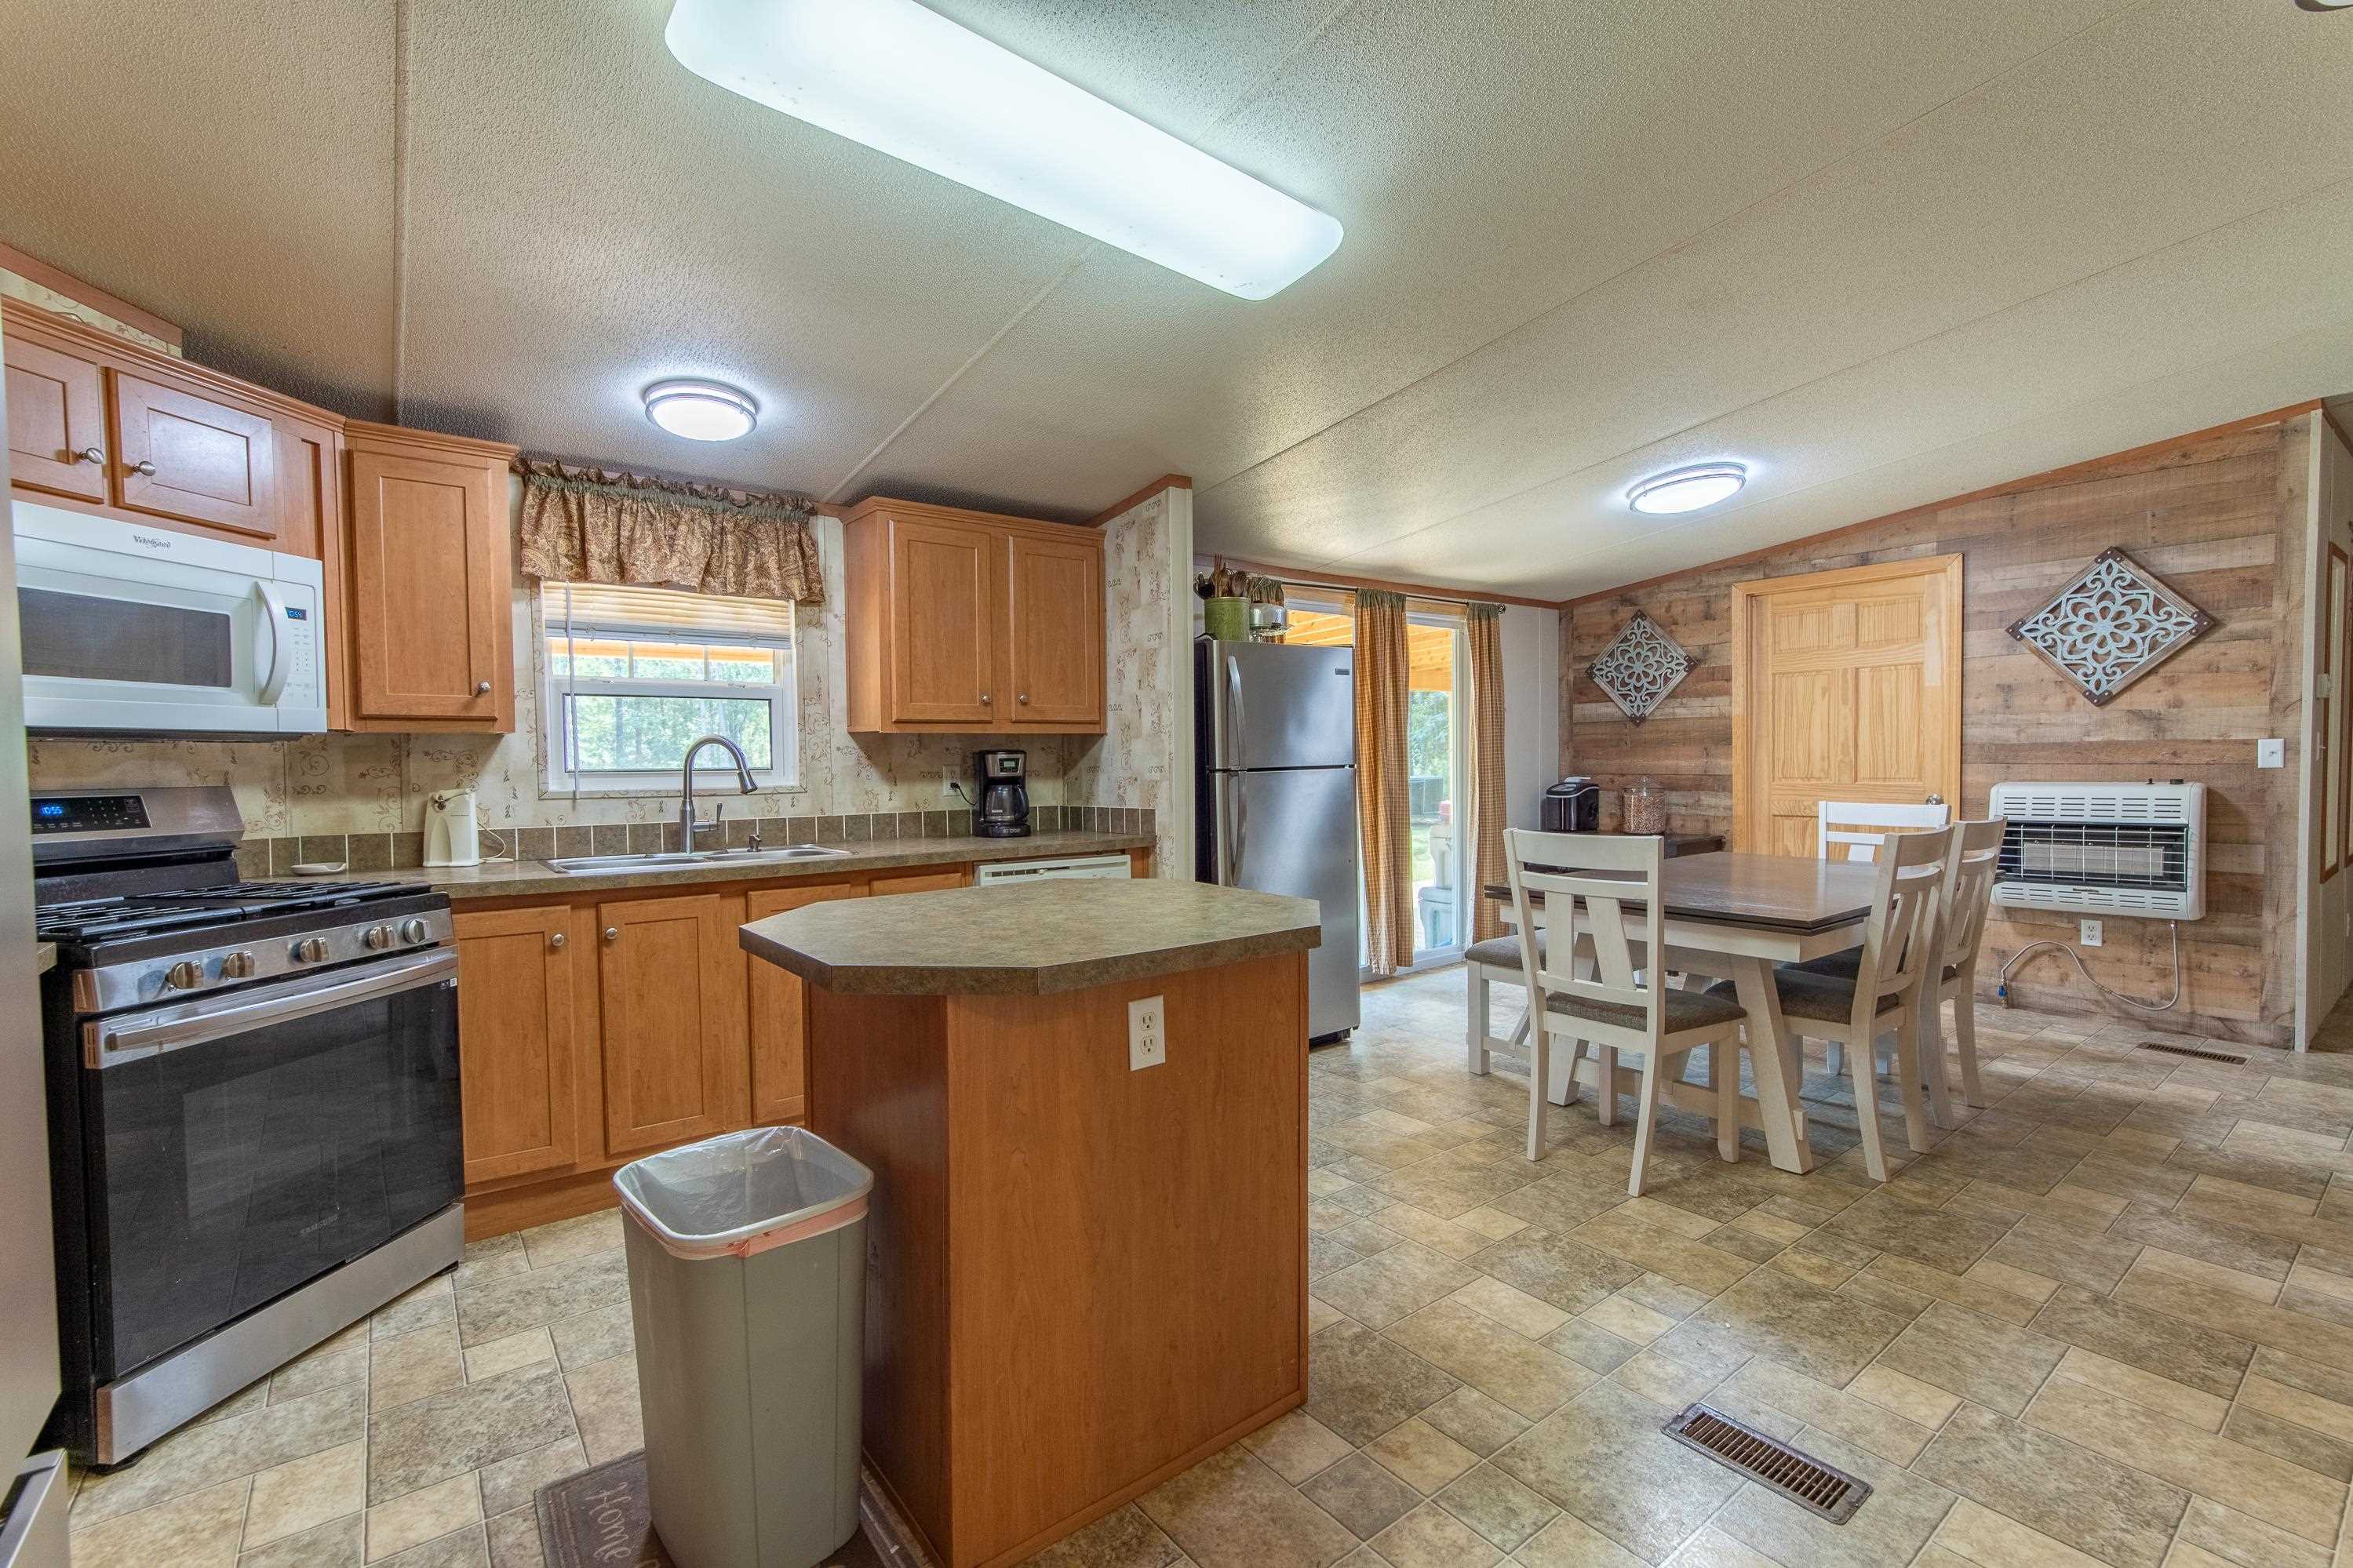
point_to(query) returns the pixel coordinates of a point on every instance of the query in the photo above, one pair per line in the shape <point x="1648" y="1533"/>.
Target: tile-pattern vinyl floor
<point x="2109" y="1319"/>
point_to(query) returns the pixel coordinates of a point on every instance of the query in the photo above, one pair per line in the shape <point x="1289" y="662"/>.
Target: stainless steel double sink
<point x="605" y="864"/>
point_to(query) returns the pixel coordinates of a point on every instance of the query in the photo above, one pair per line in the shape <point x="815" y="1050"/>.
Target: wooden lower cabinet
<point x="675" y="1065"/>
<point x="919" y="882"/>
<point x="519" y="1060"/>
<point x="780" y="1011"/>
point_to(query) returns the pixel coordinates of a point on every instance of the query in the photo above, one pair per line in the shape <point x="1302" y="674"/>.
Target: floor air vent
<point x="2198" y="1051"/>
<point x="1808" y="1482"/>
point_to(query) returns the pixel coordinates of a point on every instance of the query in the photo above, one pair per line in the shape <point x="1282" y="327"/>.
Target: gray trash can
<point x="747" y="1285"/>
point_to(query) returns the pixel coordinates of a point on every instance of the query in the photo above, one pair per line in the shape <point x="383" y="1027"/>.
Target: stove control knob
<point x="311" y="950"/>
<point x="183" y="976"/>
<point x="236" y="966"/>
<point x="377" y="937"/>
<point x="413" y="932"/>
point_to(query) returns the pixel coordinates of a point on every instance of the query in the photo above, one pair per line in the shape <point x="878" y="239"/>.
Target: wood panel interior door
<point x="779" y="1003"/>
<point x="195" y="459"/>
<point x="519" y="1055"/>
<point x="944" y="620"/>
<point x="1846" y="686"/>
<point x="1054" y="629"/>
<point x="427" y="573"/>
<point x="57" y="421"/>
<point x="676" y="1065"/>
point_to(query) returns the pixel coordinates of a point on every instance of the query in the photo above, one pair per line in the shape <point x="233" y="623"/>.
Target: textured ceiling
<point x="1884" y="252"/>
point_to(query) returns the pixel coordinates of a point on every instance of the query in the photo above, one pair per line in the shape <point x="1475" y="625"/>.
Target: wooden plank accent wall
<point x="2221" y="516"/>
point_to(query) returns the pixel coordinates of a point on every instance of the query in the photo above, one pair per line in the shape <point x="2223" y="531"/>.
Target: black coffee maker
<point x="1573" y="806"/>
<point x="1004" y="795"/>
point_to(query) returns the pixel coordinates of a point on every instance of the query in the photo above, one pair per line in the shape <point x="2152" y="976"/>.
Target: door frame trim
<point x="1748" y="833"/>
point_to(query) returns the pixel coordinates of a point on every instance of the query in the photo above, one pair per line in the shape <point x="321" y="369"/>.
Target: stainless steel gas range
<point x="253" y="1106"/>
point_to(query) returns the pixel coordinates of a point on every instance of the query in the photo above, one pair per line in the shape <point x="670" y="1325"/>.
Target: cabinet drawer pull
<point x="144" y="468"/>
<point x="557" y="939"/>
<point x="91" y="455"/>
<point x="612" y="933"/>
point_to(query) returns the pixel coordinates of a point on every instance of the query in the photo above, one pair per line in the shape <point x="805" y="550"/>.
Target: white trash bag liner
<point x="744" y="1193"/>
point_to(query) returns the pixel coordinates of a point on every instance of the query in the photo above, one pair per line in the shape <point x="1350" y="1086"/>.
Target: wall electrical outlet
<point x="2090" y="933"/>
<point x="949" y="780"/>
<point x="1147" y="1033"/>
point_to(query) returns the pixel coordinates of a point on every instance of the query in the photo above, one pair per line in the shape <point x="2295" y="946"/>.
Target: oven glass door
<point x="242" y="1146"/>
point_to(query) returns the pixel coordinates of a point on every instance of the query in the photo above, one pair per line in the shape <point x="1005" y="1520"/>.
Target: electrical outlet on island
<point x="1147" y="1036"/>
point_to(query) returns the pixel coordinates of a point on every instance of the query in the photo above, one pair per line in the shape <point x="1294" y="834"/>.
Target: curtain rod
<point x="1285" y="576"/>
<point x="1408" y="593"/>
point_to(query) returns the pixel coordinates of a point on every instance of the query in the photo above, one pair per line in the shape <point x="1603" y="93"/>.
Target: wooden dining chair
<point x="1861" y="827"/>
<point x="1879" y="1002"/>
<point x="1488" y="963"/>
<point x="1587" y="881"/>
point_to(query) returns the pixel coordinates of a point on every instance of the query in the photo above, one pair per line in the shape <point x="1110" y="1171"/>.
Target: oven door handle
<point x="273" y="610"/>
<point x="111" y="1042"/>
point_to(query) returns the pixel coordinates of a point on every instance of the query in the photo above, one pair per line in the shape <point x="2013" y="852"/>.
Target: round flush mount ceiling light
<point x="1687" y="489"/>
<point x="701" y="410"/>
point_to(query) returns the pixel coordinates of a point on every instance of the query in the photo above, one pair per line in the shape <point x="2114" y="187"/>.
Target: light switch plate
<point x="1147" y="1033"/>
<point x="2271" y="753"/>
<point x="2090" y="932"/>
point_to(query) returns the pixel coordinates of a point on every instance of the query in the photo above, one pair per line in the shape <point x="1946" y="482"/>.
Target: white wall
<point x="1531" y="710"/>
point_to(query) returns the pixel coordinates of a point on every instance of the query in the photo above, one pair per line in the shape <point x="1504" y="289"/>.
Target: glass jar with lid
<point x="1646" y="807"/>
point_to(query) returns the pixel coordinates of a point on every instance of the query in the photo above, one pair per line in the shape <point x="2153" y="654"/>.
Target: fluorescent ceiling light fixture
<point x="907" y="81"/>
<point x="701" y="410"/>
<point x="1687" y="489"/>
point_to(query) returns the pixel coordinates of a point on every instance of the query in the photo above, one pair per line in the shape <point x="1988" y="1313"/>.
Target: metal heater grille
<point x="2146" y="857"/>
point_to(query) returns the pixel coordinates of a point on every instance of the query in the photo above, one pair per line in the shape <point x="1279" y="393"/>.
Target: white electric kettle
<point x="452" y="832"/>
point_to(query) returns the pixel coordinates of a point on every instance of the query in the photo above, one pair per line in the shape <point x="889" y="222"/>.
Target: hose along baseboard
<point x="2001" y="982"/>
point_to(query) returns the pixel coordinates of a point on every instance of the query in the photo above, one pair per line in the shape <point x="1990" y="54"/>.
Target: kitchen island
<point x="1085" y="1274"/>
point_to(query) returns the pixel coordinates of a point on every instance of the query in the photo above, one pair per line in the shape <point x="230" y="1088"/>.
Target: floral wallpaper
<point x="1146" y="751"/>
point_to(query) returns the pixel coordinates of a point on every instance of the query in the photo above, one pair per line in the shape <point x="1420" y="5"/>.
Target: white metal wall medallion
<point x="2111" y="626"/>
<point x="1640" y="666"/>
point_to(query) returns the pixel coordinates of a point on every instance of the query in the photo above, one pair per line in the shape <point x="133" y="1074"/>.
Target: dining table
<point x="1735" y="916"/>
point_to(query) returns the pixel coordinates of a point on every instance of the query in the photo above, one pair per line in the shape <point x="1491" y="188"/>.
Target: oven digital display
<point x="88" y="813"/>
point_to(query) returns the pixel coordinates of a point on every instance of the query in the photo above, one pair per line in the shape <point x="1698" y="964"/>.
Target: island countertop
<point x="1035" y="939"/>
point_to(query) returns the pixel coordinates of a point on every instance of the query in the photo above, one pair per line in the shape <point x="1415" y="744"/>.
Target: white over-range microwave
<point x="132" y="628"/>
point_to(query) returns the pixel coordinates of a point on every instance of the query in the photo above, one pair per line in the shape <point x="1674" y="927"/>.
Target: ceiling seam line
<point x="1777" y="393"/>
<point x="1240" y="97"/>
<point x="400" y="110"/>
<point x="1684" y="243"/>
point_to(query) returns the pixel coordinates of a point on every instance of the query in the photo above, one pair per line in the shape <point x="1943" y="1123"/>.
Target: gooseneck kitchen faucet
<point x="687" y="825"/>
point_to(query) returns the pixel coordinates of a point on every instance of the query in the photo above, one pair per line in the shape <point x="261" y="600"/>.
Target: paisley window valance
<point x="586" y="524"/>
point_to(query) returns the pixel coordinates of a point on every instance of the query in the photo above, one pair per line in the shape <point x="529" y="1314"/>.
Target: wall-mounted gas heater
<point x="2103" y="848"/>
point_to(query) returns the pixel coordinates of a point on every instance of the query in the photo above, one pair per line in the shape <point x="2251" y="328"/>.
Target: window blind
<point x="589" y="608"/>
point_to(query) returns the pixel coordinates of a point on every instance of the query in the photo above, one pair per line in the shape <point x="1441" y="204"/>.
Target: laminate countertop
<point x="1030" y="940"/>
<point x="516" y="879"/>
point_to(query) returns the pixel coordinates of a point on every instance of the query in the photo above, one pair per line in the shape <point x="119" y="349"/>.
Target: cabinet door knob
<point x="984" y="700"/>
<point x="91" y="455"/>
<point x="557" y="939"/>
<point x="1023" y="698"/>
<point x="481" y="688"/>
<point x="141" y="467"/>
<point x="612" y="933"/>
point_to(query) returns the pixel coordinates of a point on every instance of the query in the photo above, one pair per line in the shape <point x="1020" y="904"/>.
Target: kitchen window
<point x="632" y="675"/>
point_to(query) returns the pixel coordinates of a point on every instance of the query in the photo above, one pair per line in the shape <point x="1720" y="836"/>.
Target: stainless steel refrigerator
<point x="1275" y="802"/>
<point x="32" y="1489"/>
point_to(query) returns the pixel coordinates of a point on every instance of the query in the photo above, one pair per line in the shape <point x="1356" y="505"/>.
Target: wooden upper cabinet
<point x="955" y="617"/>
<point x="779" y="1003"/>
<point x="1055" y="629"/>
<point x="676" y="1065"/>
<point x="520" y="1054"/>
<point x="57" y="421"/>
<point x="199" y="460"/>
<point x="114" y="427"/>
<point x="426" y="575"/>
<point x="944" y="646"/>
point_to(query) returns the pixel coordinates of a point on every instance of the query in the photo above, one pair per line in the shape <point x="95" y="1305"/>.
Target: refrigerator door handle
<point x="1234" y="704"/>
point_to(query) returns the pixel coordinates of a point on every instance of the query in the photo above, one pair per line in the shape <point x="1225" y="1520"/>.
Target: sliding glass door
<point x="1437" y="738"/>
